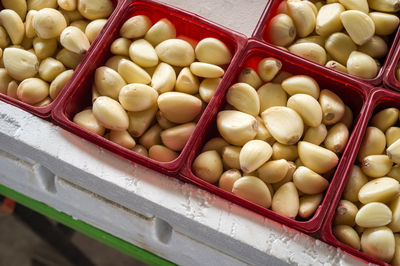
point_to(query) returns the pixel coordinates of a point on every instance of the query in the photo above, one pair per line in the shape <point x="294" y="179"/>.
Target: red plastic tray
<point x="45" y="111"/>
<point x="270" y="11"/>
<point x="379" y="99"/>
<point x="353" y="93"/>
<point x="79" y="96"/>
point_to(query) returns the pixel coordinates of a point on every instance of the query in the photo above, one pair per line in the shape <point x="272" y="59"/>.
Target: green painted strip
<point x="93" y="232"/>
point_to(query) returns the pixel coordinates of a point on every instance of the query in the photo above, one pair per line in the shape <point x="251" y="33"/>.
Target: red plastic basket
<point x="45" y="111"/>
<point x="379" y="99"/>
<point x="79" y="97"/>
<point x="261" y="33"/>
<point x="353" y="93"/>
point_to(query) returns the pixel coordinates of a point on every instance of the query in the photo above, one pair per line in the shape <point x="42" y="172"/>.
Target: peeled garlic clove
<point x="160" y="31"/>
<point x="68" y="58"/>
<point x="332" y="107"/>
<point x="19" y="6"/>
<point x="268" y="68"/>
<point x="252" y="189"/>
<point x="4" y="39"/>
<point x="49" y="23"/>
<point x="336" y="65"/>
<point x="286" y="193"/>
<point x="337" y="137"/>
<point x="393" y="151"/>
<point x="382" y="189"/>
<point x="309" y="182"/>
<point x="137" y="97"/>
<point x="347" y="235"/>
<point x="284" y="124"/>
<point x="385" y="5"/>
<point x="282" y="31"/>
<point x="356" y="181"/>
<point x="93" y="29"/>
<point x="50" y="68"/>
<point x="374" y="142"/>
<point x="254" y="154"/>
<point x="271" y="94"/>
<point x="208" y="166"/>
<point x="273" y="171"/>
<point x="108" y="82"/>
<point x="385" y="118"/>
<point x="122" y="138"/>
<point x="95" y="9"/>
<point x="249" y="76"/>
<point x="20" y="64"/>
<point x="140" y="121"/>
<point x="376" y="165"/>
<point x="308" y="205"/>
<point x="347" y="118"/>
<point x="244" y="98"/>
<point x="176" y="52"/>
<point x="213" y="51"/>
<point x="110" y="114"/>
<point x="317" y="158"/>
<point x="74" y="39"/>
<point x="230" y="157"/>
<point x="358" y="25"/>
<point x="32" y="90"/>
<point x="316" y="135"/>
<point x="346" y="213"/>
<point x="132" y="73"/>
<point x="120" y="46"/>
<point x="179" y="107"/>
<point x="310" y="51"/>
<point x="307" y="107"/>
<point x="328" y="19"/>
<point x="175" y="138"/>
<point x="135" y="27"/>
<point x="303" y="17"/>
<point x="45" y="47"/>
<point x="301" y="84"/>
<point x="339" y="45"/>
<point x="282" y="151"/>
<point x="87" y="120"/>
<point x="317" y="39"/>
<point x="228" y="178"/>
<point x="216" y="143"/>
<point x="13" y="24"/>
<point x="361" y="5"/>
<point x="374" y="214"/>
<point x="236" y="127"/>
<point x="151" y="137"/>
<point x="164" y="78"/>
<point x="206" y="70"/>
<point x="392" y="134"/>
<point x="187" y="82"/>
<point x="162" y="154"/>
<point x="207" y="88"/>
<point x="378" y="242"/>
<point x="59" y="82"/>
<point x="396" y="259"/>
<point x="142" y="53"/>
<point x="287" y="178"/>
<point x="376" y="47"/>
<point x="385" y="24"/>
